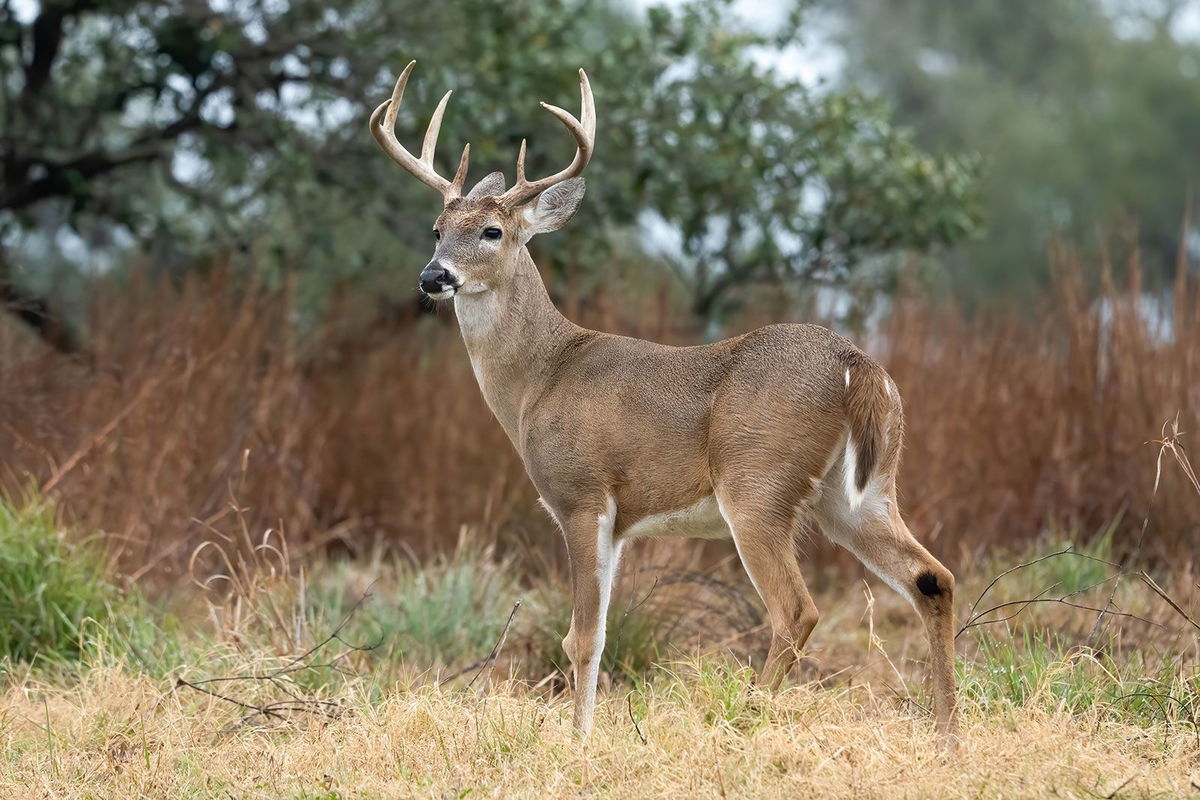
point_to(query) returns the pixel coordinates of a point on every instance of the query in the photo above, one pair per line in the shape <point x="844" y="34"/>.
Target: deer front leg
<point x="594" y="556"/>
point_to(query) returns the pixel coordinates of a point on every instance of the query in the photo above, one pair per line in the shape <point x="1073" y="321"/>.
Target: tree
<point x="1086" y="112"/>
<point x="187" y="129"/>
<point x="769" y="181"/>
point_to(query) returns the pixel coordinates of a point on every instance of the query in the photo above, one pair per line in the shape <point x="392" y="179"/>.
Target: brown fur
<point x="755" y="420"/>
<point x="614" y="431"/>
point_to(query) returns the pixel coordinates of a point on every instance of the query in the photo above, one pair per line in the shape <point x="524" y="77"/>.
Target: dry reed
<point x="363" y="431"/>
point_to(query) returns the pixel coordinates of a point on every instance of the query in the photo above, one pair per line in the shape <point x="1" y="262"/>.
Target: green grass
<point x="61" y="611"/>
<point x="1037" y="667"/>
<point x="636" y="638"/>
<point x="51" y="586"/>
<point x="448" y="611"/>
<point x="1047" y="656"/>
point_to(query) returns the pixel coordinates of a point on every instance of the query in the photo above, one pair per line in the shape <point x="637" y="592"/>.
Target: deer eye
<point x="492" y="233"/>
<point x="437" y="234"/>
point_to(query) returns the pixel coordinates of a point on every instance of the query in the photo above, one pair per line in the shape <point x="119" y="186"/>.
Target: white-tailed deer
<point x="624" y="438"/>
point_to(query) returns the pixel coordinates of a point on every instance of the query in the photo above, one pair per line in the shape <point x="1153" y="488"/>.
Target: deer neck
<point x="512" y="334"/>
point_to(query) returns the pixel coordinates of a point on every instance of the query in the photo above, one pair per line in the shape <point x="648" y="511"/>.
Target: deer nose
<point x="435" y="278"/>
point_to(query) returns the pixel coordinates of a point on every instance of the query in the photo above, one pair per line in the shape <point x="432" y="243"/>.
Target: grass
<point x="636" y="636"/>
<point x="704" y="731"/>
<point x="1017" y="418"/>
<point x="1038" y="667"/>
<point x="437" y="613"/>
<point x="51" y="585"/>
<point x="679" y="715"/>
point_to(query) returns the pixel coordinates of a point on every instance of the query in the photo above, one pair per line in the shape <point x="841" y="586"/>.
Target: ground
<point x="700" y="733"/>
<point x="376" y="679"/>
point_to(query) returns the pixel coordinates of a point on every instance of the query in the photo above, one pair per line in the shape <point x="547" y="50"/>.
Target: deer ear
<point x="491" y="185"/>
<point x="553" y="207"/>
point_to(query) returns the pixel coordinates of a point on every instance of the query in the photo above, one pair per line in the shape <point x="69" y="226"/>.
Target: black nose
<point x="435" y="279"/>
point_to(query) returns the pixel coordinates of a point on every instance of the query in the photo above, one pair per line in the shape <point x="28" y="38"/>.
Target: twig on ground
<point x="491" y="659"/>
<point x="294" y="702"/>
<point x="637" y="728"/>
<point x="1124" y="783"/>
<point x="231" y="700"/>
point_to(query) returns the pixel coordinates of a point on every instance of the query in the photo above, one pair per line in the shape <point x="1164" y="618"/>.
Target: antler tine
<point x="429" y="144"/>
<point x="521" y="164"/>
<point x="460" y="175"/>
<point x="383" y="128"/>
<point x="584" y="132"/>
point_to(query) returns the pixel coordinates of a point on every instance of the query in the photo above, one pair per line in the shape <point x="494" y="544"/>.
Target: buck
<point x="624" y="438"/>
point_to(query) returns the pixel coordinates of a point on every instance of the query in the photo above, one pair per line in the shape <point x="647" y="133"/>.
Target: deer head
<point x="481" y="234"/>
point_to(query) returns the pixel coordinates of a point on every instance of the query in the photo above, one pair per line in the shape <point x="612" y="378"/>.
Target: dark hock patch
<point x="928" y="584"/>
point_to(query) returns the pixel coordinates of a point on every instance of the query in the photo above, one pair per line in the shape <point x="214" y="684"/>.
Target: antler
<point x="384" y="131"/>
<point x="585" y="138"/>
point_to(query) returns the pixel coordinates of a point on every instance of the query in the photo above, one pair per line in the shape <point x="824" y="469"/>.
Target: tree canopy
<point x="1086" y="113"/>
<point x="181" y="131"/>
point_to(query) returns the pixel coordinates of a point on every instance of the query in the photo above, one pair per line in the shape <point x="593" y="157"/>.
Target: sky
<point x="812" y="61"/>
<point x="809" y="61"/>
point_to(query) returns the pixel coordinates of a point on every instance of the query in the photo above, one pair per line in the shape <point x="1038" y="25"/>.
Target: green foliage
<point x="449" y="611"/>
<point x="724" y="690"/>
<point x="61" y="609"/>
<point x="1037" y="667"/>
<point x="50" y="587"/>
<point x="185" y="132"/>
<point x="636" y="637"/>
<point x="1086" y="114"/>
<point x="766" y="180"/>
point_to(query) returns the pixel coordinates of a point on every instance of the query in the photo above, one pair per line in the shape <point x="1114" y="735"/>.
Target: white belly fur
<point x="702" y="520"/>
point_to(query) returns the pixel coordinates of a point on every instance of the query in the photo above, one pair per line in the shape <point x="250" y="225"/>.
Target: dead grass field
<point x="203" y="425"/>
<point x="118" y="735"/>
<point x="1045" y="714"/>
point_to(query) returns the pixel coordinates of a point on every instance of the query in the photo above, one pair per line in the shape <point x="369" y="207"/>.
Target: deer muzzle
<point x="437" y="281"/>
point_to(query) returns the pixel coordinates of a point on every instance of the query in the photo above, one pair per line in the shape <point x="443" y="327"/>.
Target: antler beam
<point x="584" y="132"/>
<point x="383" y="128"/>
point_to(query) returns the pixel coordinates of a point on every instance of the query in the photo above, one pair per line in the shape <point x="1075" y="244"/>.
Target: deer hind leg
<point x="594" y="556"/>
<point x="874" y="532"/>
<point x="765" y="545"/>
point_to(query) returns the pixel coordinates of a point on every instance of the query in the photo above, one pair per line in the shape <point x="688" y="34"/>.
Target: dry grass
<point x="1044" y="713"/>
<point x="1017" y="421"/>
<point x="117" y="735"/>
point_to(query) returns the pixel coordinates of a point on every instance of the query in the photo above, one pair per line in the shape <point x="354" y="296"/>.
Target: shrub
<point x="50" y="585"/>
<point x="447" y="611"/>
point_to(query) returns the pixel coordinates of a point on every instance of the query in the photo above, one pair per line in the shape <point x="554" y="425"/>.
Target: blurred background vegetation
<point x="797" y="146"/>
<point x="175" y="134"/>
<point x="214" y="362"/>
<point x="983" y="193"/>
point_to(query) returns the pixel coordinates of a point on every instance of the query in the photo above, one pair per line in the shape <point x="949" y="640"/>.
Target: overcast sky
<point x="811" y="61"/>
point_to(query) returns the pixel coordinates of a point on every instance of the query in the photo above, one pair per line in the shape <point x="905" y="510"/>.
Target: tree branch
<point x="47" y="32"/>
<point x="35" y="313"/>
<point x="58" y="178"/>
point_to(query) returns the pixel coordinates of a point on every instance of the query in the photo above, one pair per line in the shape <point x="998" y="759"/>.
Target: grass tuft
<point x="51" y="585"/>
